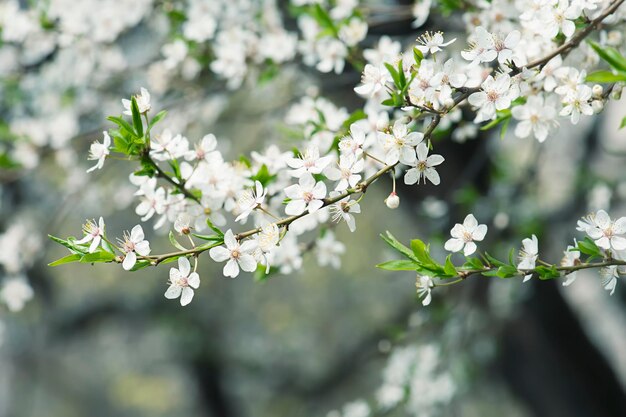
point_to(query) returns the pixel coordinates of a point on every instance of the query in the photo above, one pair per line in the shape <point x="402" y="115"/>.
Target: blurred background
<point x="348" y="342"/>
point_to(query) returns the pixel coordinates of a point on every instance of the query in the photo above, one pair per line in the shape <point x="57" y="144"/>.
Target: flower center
<point x="235" y="254"/>
<point x="467" y="236"/>
<point x="492" y="96"/>
<point x="307" y="196"/>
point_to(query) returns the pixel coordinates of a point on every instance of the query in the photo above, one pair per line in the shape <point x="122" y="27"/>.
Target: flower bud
<point x="614" y="38"/>
<point x="393" y="201"/>
<point x="597" y="91"/>
<point x="617" y="93"/>
<point x="597" y="106"/>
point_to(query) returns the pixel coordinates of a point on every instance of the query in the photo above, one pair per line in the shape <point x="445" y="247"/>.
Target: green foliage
<point x="589" y="248"/>
<point x="611" y="55"/>
<point x="137" y="123"/>
<point x="605" y="77"/>
<point x="80" y="253"/>
<point x="174" y="242"/>
<point x="418" y="259"/>
<point x="156" y="119"/>
<point x="263" y="176"/>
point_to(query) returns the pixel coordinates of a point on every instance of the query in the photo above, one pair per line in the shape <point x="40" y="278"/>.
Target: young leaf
<point x="156" y="119"/>
<point x="97" y="256"/>
<point x="449" y="267"/>
<point x="398" y="265"/>
<point x="611" y="55"/>
<point x="174" y="242"/>
<point x="605" y="77"/>
<point x="66" y="260"/>
<point x="134" y="108"/>
<point x="394" y="243"/>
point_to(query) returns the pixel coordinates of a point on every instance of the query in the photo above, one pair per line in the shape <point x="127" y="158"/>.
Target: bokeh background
<point x="316" y="342"/>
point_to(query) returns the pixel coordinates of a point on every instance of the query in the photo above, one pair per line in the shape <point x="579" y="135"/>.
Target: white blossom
<point x="528" y="255"/>
<point x="423" y="167"/>
<point x="93" y="233"/>
<point x="133" y="244"/>
<point x="249" y="200"/>
<point x="399" y="145"/>
<point x="425" y="284"/>
<point x="607" y="233"/>
<point x="307" y="195"/>
<point x="182" y="282"/>
<point x="143" y="102"/>
<point x="237" y="255"/>
<point x="99" y="151"/>
<point x="464" y="235"/>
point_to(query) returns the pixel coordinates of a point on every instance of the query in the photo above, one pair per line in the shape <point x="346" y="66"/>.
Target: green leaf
<point x="494" y="261"/>
<point x="546" y="273"/>
<point x="449" y="267"/>
<point x="401" y="76"/>
<point x="123" y="124"/>
<point x="263" y="176"/>
<point x="394" y="74"/>
<point x="502" y="116"/>
<point x="71" y="246"/>
<point x="214" y="228"/>
<point x="605" y="77"/>
<point x="66" y="260"/>
<point x="399" y="265"/>
<point x="623" y="123"/>
<point x="156" y="119"/>
<point x="420" y="250"/>
<point x="134" y="108"/>
<point x="141" y="264"/>
<point x="324" y="20"/>
<point x="589" y="247"/>
<point x="174" y="242"/>
<point x="394" y="243"/>
<point x="506" y="271"/>
<point x="611" y="55"/>
<point x="473" y="263"/>
<point x="355" y="116"/>
<point x="417" y="56"/>
<point x="208" y="237"/>
<point x="97" y="256"/>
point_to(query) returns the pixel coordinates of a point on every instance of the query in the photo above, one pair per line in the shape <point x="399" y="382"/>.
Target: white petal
<point x="183" y="266"/>
<point x="129" y="261"/>
<point x="470" y="248"/>
<point x="173" y="292"/>
<point x="411" y="176"/>
<point x="136" y="235"/>
<point x="186" y="297"/>
<point x="454" y="245"/>
<point x="315" y="205"/>
<point x="143" y="248"/>
<point x="231" y="269"/>
<point x="480" y="232"/>
<point x="219" y="253"/>
<point x="433" y="176"/>
<point x="194" y="280"/>
<point x="229" y="240"/>
<point x="295" y="207"/>
<point x="247" y="263"/>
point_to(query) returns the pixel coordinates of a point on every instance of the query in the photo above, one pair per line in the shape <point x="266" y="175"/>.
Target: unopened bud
<point x="393" y="201"/>
<point x="597" y="91"/>
<point x="617" y="93"/>
<point x="597" y="106"/>
<point x="614" y="38"/>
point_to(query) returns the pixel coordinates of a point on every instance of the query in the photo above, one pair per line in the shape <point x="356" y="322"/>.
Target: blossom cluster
<point x="605" y="239"/>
